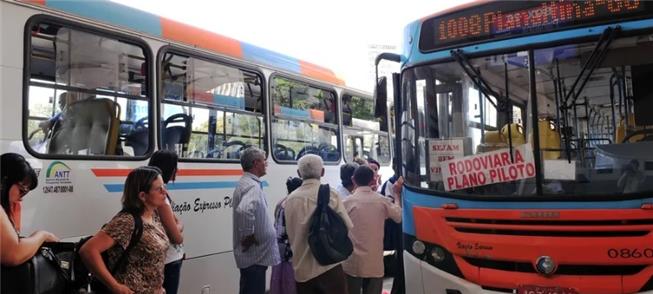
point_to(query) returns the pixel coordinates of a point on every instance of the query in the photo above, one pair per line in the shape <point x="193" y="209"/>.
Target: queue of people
<point x="355" y="201"/>
<point x="140" y="249"/>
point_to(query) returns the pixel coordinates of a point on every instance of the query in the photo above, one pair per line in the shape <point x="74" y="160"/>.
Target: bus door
<point x="441" y="115"/>
<point x="448" y="96"/>
<point x="355" y="143"/>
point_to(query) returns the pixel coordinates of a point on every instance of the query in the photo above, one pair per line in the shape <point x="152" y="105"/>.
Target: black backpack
<point x="327" y="235"/>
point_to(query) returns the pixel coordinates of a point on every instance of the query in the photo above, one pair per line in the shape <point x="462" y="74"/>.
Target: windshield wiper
<point x="474" y="75"/>
<point x="596" y="58"/>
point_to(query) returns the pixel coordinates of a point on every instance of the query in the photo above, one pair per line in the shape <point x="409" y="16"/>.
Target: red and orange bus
<point x="525" y="132"/>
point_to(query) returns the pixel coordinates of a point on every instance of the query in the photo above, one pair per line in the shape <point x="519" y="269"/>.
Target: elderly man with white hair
<point x="254" y="237"/>
<point x="311" y="276"/>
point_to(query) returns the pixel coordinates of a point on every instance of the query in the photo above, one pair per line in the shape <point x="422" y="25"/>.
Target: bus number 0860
<point x="630" y="253"/>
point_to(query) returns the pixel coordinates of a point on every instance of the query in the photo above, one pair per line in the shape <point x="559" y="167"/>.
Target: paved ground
<point x="387" y="285"/>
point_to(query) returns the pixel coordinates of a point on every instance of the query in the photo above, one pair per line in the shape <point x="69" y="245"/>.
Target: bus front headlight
<point x="419" y="247"/>
<point x="438" y="254"/>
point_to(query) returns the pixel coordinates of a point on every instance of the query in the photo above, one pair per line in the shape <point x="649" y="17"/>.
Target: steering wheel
<point x="214" y="153"/>
<point x="235" y="143"/>
<point x="648" y="135"/>
<point x="45" y="133"/>
<point x="327" y="147"/>
<point x="283" y="153"/>
<point x="308" y="149"/>
<point x="141" y="124"/>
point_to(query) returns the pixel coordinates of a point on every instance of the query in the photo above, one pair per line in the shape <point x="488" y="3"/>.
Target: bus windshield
<point x="468" y="124"/>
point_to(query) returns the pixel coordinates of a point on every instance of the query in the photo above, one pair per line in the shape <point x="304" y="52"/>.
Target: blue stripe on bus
<point x="411" y="199"/>
<point x="114" y="188"/>
<point x="112" y="13"/>
<point x="270" y="58"/>
<point x="418" y="57"/>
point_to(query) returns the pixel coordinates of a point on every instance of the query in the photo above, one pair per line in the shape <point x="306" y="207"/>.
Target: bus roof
<point x="470" y="3"/>
<point x="161" y="27"/>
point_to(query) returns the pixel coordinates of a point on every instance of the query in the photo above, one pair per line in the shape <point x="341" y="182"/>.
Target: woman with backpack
<point x="166" y="160"/>
<point x="135" y="260"/>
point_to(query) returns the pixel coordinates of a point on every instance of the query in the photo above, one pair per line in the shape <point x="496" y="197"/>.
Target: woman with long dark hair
<point x="17" y="178"/>
<point x="144" y="193"/>
<point x="166" y="160"/>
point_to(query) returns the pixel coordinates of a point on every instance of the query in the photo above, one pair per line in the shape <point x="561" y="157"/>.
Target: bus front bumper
<point x="423" y="278"/>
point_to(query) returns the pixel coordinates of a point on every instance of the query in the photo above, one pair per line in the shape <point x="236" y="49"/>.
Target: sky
<point x="334" y="34"/>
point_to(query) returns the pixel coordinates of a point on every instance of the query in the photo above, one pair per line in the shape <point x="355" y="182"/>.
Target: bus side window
<point x="304" y="121"/>
<point x="210" y="110"/>
<point x="94" y="78"/>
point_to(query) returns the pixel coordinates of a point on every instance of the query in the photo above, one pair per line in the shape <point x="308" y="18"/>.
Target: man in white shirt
<point x="346" y="186"/>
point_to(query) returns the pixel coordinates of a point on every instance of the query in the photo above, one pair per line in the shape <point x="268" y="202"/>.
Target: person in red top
<point x="368" y="211"/>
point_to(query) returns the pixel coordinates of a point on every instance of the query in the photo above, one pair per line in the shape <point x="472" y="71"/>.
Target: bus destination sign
<point x="506" y="19"/>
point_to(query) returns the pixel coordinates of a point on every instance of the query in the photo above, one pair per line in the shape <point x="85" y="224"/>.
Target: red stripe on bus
<point x="123" y="172"/>
<point x="210" y="172"/>
<point x="37" y="2"/>
<point x="319" y="73"/>
<point x="110" y="172"/>
<point x="204" y="39"/>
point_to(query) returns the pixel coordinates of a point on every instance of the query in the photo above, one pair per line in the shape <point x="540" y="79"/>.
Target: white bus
<point x="91" y="89"/>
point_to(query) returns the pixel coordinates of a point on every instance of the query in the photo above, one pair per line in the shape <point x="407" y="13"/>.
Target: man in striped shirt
<point x="254" y="237"/>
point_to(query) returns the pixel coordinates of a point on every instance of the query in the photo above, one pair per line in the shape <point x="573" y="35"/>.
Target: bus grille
<point x="553" y="228"/>
<point x="563" y="269"/>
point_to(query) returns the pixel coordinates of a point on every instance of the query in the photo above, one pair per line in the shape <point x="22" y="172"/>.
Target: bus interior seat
<point x="495" y="140"/>
<point x="514" y="131"/>
<point x="174" y="134"/>
<point x="634" y="132"/>
<point x="282" y="152"/>
<point x="138" y="137"/>
<point x="549" y="138"/>
<point x="492" y="140"/>
<point x="92" y="125"/>
<point x="328" y="152"/>
<point x="621" y="128"/>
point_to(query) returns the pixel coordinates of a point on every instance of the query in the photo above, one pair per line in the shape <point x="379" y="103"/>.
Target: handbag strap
<point x="137" y="233"/>
<point x="52" y="258"/>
